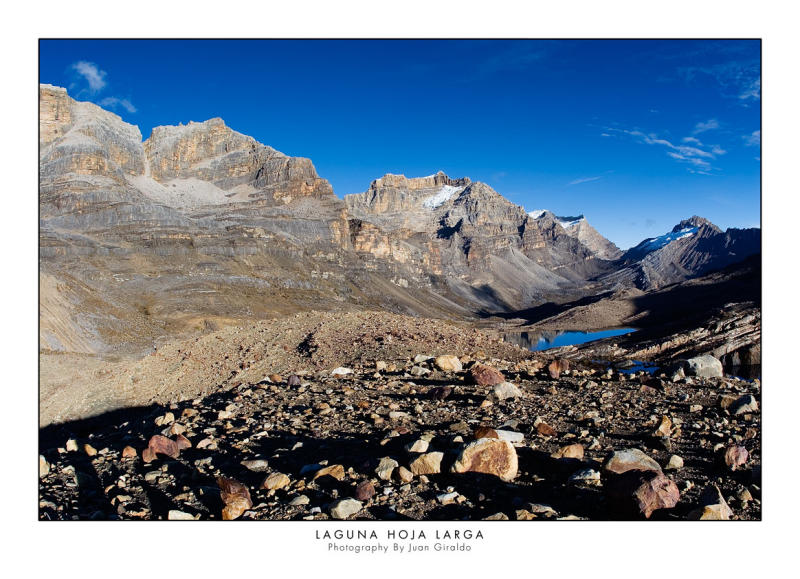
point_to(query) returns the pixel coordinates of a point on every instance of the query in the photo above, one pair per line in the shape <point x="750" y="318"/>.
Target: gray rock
<point x="385" y="468"/>
<point x="506" y="390"/>
<point x="345" y="508"/>
<point x="257" y="465"/>
<point x="705" y="366"/>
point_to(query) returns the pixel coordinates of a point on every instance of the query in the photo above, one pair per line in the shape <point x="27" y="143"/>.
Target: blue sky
<point x="635" y="134"/>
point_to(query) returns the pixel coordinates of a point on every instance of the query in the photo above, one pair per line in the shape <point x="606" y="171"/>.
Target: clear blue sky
<point x="637" y="135"/>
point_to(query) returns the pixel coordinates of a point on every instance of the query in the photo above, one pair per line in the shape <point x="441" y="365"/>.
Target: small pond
<point x="546" y="340"/>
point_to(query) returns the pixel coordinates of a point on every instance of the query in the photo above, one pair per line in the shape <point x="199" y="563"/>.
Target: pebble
<point x="299" y="500"/>
<point x="341" y="371"/>
<point x="72" y="445"/>
<point x="345" y="508"/>
<point x="44" y="467"/>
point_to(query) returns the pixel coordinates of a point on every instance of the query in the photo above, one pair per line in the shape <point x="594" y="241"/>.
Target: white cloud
<point x="709" y="125"/>
<point x="92" y="74"/>
<point x="753" y="139"/>
<point x="698" y="156"/>
<point x="752" y="92"/>
<point x="114" y="103"/>
<point x="583" y="180"/>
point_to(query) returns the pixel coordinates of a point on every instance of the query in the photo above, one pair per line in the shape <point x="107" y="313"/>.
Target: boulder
<point x="705" y="366"/>
<point x="490" y="456"/>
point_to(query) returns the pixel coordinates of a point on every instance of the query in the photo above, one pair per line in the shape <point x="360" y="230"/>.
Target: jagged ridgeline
<point x="200" y="226"/>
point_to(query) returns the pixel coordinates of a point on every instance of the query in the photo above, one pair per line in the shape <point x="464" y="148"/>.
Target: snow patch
<point x="662" y="240"/>
<point x="537" y="213"/>
<point x="567" y="222"/>
<point x="443" y="196"/>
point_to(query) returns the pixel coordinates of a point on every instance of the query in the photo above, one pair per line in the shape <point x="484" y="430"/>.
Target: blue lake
<point x="546" y="341"/>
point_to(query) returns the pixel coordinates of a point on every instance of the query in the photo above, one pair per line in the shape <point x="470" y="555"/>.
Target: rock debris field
<point x="493" y="433"/>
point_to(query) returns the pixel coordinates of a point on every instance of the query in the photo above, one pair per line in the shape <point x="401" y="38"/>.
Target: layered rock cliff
<point x="200" y="225"/>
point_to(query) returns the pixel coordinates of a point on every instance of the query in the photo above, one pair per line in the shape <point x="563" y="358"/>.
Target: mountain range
<point x="200" y="226"/>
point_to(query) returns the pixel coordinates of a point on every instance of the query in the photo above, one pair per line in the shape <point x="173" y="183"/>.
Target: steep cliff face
<point x="489" y="249"/>
<point x="214" y="153"/>
<point x="200" y="225"/>
<point x="197" y="226"/>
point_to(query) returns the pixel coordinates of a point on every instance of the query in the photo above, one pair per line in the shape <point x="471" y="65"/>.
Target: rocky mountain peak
<point x="439" y="179"/>
<point x="695" y="221"/>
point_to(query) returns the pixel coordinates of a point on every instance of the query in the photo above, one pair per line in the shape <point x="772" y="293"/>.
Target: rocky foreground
<point x="423" y="437"/>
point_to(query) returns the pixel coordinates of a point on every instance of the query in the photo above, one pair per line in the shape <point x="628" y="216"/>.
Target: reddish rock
<point x="493" y="456"/>
<point x="735" y="456"/>
<point x="277" y="378"/>
<point x="440" y="392"/>
<point x="484" y="375"/>
<point x="364" y="491"/>
<point x="148" y="455"/>
<point x="485" y="432"/>
<point x="545" y="429"/>
<point x="642" y="492"/>
<point x="235" y="496"/>
<point x="128" y="452"/>
<point x="161" y="445"/>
